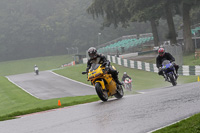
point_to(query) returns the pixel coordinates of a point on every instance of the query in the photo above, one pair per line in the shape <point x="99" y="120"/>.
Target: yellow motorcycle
<point x="105" y="85"/>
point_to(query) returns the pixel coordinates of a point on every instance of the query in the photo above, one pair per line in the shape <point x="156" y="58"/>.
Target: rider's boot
<point x="176" y="70"/>
<point x="176" y="73"/>
<point x="165" y="77"/>
<point x="115" y="77"/>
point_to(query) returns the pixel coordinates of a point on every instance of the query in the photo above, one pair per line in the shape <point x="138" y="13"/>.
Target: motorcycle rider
<point x="36" y="68"/>
<point x="162" y="55"/>
<point x="125" y="75"/>
<point x="101" y="59"/>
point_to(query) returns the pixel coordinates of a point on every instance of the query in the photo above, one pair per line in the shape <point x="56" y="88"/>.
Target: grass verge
<point x="190" y="125"/>
<point x="27" y="65"/>
<point x="191" y="60"/>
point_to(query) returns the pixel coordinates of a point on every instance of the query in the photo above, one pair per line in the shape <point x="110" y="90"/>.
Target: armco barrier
<point x="183" y="70"/>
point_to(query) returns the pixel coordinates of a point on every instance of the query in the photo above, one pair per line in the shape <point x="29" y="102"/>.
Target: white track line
<point x="168" y="125"/>
<point x="71" y="79"/>
<point x="21" y="87"/>
<point x="51" y="72"/>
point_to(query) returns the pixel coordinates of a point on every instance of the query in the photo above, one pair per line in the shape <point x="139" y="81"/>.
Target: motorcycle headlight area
<point x="91" y="77"/>
<point x="96" y="75"/>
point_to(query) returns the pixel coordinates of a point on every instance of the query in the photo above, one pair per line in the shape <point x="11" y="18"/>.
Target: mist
<point x="36" y="28"/>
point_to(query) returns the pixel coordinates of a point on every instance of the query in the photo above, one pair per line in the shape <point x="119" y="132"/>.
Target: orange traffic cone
<point x="59" y="103"/>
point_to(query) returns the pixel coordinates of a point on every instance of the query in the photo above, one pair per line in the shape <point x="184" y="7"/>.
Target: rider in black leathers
<point x="101" y="59"/>
<point x="165" y="56"/>
<point x="125" y="75"/>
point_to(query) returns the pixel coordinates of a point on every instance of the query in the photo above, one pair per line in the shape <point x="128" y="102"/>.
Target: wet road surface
<point x="138" y="113"/>
<point x="48" y="85"/>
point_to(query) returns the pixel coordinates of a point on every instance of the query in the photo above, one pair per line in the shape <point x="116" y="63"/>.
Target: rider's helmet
<point x="161" y="51"/>
<point x="92" y="52"/>
<point x="125" y="73"/>
<point x="35" y="65"/>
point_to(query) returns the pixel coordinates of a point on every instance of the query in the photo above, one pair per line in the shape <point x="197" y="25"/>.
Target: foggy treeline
<point x="34" y="28"/>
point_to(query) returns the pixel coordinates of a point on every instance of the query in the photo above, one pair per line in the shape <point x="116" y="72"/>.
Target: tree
<point x="136" y="10"/>
<point x="169" y="17"/>
<point x="189" y="47"/>
<point x="195" y="15"/>
<point x="122" y="11"/>
<point x="113" y="11"/>
<point x="143" y="11"/>
<point x="186" y="6"/>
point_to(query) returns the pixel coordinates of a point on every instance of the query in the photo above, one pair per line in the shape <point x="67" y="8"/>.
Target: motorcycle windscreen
<point x="94" y="67"/>
<point x="165" y="62"/>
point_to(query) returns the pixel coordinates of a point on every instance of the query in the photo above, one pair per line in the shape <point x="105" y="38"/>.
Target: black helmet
<point x="92" y="52"/>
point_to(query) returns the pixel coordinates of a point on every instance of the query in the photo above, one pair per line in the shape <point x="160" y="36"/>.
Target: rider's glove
<point x="87" y="69"/>
<point x="107" y="68"/>
<point x="104" y="64"/>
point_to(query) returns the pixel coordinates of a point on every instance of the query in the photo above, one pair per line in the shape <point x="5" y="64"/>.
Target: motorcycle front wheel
<point x="129" y="86"/>
<point x="103" y="95"/>
<point x="172" y="79"/>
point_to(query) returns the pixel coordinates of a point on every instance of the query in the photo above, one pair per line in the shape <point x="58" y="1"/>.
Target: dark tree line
<point x="33" y="28"/>
<point x="125" y="11"/>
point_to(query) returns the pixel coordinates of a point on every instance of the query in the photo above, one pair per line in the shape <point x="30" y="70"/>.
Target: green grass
<point x="190" y="60"/>
<point x="27" y="65"/>
<point x="190" y="125"/>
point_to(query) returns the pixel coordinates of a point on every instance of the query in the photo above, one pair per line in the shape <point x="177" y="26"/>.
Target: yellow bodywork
<point x="98" y="76"/>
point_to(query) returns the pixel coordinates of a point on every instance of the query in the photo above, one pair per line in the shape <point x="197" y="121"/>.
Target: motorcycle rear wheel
<point x="120" y="92"/>
<point x="103" y="95"/>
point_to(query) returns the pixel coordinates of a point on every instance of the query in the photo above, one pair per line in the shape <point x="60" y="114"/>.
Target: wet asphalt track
<point x="139" y="113"/>
<point x="48" y="85"/>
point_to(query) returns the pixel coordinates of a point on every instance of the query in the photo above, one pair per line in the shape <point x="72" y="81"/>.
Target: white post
<point x="99" y="34"/>
<point x="76" y="50"/>
<point x="67" y="50"/>
<point x="195" y="41"/>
